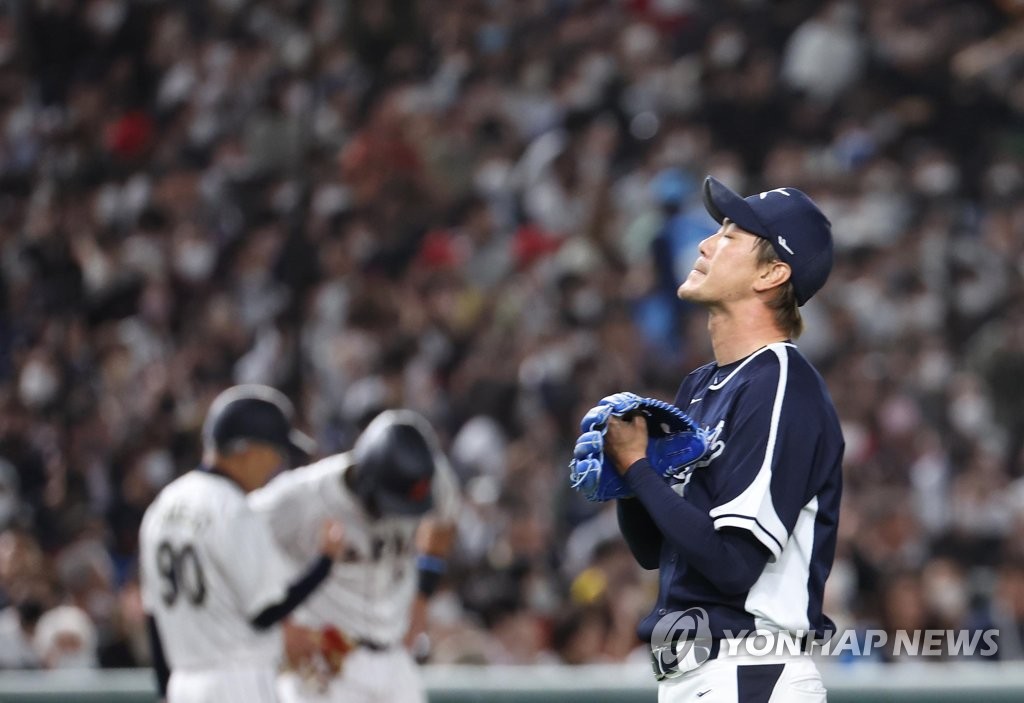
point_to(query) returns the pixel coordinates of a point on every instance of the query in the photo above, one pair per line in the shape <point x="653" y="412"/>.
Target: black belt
<point x="670" y="669"/>
<point x="373" y="646"/>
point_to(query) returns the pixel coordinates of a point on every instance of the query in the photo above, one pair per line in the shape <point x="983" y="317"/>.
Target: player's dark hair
<point x="783" y="302"/>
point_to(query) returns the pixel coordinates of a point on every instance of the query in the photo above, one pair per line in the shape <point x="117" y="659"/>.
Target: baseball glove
<point x="674" y="441"/>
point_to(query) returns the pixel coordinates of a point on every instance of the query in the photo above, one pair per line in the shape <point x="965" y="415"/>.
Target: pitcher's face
<point x="726" y="269"/>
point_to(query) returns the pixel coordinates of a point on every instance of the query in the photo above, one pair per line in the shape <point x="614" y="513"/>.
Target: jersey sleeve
<point x="446" y="493"/>
<point x="295" y="503"/>
<point x="770" y="450"/>
<point x="253" y="565"/>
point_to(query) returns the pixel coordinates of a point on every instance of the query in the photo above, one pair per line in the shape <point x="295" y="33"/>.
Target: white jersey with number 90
<point x="208" y="566"/>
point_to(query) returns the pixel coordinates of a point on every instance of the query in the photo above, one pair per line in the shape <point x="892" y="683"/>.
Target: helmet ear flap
<point x="361" y="483"/>
<point x="394" y="465"/>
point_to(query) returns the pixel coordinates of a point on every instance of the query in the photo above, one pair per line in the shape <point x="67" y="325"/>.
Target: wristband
<point x="431" y="570"/>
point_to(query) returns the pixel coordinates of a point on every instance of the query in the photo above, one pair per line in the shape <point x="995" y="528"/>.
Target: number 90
<point x="180" y="572"/>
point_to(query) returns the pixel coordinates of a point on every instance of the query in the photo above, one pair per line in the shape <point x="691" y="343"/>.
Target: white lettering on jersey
<point x="716" y="445"/>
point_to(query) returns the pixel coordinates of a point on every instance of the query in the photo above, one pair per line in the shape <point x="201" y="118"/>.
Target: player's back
<point x="206" y="572"/>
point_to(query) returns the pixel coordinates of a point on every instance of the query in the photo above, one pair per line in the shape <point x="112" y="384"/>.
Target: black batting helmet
<point x="394" y="461"/>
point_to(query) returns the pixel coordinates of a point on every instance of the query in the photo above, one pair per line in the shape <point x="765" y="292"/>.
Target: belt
<point x="668" y="662"/>
<point x="373" y="646"/>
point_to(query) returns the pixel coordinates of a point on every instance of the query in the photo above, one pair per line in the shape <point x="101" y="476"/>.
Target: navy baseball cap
<point x="799" y="232"/>
<point x="255" y="413"/>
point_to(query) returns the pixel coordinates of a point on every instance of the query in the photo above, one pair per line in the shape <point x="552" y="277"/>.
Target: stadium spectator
<point x="473" y="209"/>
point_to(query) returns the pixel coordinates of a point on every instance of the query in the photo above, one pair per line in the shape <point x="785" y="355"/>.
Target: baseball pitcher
<point x="743" y="534"/>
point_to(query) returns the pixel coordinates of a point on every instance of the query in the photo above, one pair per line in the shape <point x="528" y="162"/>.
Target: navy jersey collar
<point x="724" y="374"/>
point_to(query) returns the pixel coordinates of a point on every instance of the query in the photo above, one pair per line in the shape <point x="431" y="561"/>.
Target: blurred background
<point x="481" y="209"/>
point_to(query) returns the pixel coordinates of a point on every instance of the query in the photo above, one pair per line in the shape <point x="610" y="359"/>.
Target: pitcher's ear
<point x="772" y="275"/>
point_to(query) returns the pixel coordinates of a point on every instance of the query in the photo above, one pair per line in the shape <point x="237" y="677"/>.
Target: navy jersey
<point x="773" y="469"/>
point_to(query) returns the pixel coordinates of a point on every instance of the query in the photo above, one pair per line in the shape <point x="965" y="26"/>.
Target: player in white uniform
<point x="214" y="582"/>
<point x="381" y="491"/>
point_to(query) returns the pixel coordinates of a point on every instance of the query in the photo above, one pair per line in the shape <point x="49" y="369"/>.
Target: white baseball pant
<point x="233" y="685"/>
<point x="747" y="679"/>
<point x="388" y="676"/>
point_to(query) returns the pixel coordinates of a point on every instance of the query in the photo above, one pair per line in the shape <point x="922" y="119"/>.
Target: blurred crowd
<point x="481" y="209"/>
